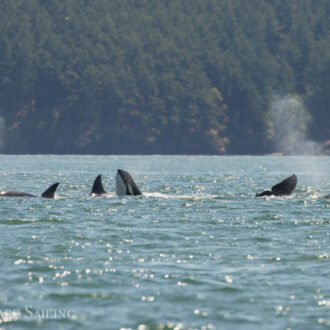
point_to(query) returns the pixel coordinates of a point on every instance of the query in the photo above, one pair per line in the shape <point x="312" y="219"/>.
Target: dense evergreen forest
<point x="168" y="77"/>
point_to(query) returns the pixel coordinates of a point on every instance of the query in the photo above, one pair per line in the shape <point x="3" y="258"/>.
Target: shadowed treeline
<point x="192" y="77"/>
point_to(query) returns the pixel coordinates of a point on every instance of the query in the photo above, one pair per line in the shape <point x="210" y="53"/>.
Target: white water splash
<point x="187" y="196"/>
<point x="290" y="121"/>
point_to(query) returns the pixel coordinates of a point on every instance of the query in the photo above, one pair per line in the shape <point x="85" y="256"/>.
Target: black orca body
<point x="48" y="193"/>
<point x="327" y="196"/>
<point x="283" y="188"/>
<point x="125" y="184"/>
<point x="97" y="189"/>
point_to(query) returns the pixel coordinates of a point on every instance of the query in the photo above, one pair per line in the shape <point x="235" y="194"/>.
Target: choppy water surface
<point x="197" y="251"/>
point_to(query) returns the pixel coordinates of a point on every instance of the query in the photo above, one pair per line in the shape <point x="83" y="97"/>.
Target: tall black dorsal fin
<point x="286" y="186"/>
<point x="50" y="192"/>
<point x="98" y="187"/>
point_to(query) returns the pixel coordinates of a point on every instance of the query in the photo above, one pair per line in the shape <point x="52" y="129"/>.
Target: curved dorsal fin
<point x="98" y="187"/>
<point x="286" y="186"/>
<point x="50" y="192"/>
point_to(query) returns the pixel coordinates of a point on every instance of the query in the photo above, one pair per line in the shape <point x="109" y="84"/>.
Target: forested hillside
<point x="145" y="76"/>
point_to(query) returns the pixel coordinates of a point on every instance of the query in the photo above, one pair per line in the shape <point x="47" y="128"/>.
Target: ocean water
<point x="196" y="251"/>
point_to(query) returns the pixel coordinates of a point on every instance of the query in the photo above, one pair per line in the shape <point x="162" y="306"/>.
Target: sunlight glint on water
<point x="196" y="251"/>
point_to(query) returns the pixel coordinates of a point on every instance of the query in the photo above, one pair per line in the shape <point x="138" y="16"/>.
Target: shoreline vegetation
<point x="176" y="77"/>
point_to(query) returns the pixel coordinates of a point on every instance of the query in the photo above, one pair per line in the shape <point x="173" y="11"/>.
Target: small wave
<point x="187" y="196"/>
<point x="17" y="221"/>
<point x="27" y="221"/>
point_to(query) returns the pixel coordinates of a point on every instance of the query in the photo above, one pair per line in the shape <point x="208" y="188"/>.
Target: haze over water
<point x="197" y="251"/>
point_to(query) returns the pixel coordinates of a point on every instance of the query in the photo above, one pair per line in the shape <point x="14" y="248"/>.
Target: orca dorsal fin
<point x="50" y="192"/>
<point x="286" y="186"/>
<point x="97" y="188"/>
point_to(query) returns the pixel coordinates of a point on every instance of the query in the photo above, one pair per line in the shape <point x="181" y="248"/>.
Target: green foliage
<point x="142" y="76"/>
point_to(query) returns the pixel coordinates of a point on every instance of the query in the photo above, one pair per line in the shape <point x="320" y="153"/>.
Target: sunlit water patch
<point x="196" y="251"/>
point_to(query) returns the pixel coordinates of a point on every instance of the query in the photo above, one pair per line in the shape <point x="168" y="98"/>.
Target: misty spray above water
<point x="290" y="124"/>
